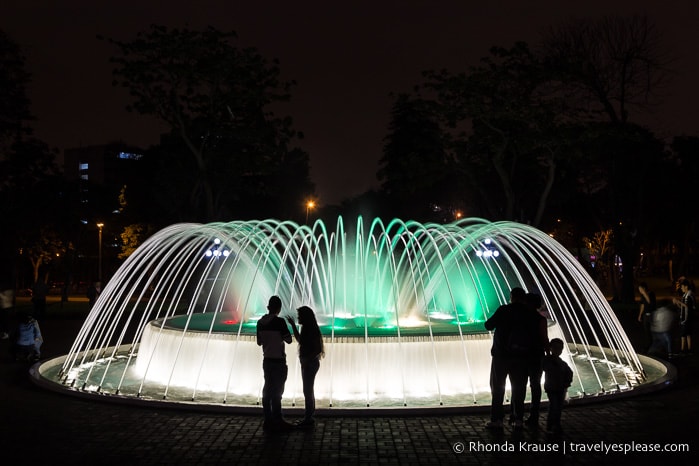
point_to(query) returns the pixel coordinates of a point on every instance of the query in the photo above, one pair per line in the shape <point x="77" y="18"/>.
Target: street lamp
<point x="99" y="253"/>
<point x="309" y="205"/>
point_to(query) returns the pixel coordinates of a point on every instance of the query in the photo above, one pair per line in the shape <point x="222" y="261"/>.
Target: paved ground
<point x="45" y="427"/>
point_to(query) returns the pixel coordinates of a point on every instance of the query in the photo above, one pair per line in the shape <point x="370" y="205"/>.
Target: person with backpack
<point x="515" y="327"/>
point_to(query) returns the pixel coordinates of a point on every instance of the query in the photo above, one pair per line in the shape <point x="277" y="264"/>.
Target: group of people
<point x="658" y="318"/>
<point x="522" y="352"/>
<point x="272" y="335"/>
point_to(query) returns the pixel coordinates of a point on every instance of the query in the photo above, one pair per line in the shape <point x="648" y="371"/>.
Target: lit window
<point x="129" y="156"/>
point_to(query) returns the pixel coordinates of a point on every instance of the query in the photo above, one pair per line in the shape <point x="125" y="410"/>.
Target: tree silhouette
<point x="615" y="64"/>
<point x="215" y="97"/>
<point x="508" y="129"/>
<point x="414" y="170"/>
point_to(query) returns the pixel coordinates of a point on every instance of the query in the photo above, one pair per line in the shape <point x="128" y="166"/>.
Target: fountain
<point x="401" y="307"/>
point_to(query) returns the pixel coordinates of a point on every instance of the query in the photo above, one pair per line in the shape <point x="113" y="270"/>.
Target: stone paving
<point x="45" y="427"/>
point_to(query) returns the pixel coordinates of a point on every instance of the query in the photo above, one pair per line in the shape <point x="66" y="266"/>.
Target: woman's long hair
<point x="311" y="338"/>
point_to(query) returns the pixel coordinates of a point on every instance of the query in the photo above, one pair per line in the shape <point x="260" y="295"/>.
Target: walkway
<point x="44" y="427"/>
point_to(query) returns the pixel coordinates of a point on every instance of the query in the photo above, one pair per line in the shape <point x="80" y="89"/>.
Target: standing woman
<point x="310" y="352"/>
<point x="687" y="307"/>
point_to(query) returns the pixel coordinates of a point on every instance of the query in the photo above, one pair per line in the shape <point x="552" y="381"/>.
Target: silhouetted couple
<point x="272" y="334"/>
<point x="519" y="344"/>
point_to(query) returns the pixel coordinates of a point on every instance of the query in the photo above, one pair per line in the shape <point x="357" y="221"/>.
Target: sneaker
<point x="494" y="425"/>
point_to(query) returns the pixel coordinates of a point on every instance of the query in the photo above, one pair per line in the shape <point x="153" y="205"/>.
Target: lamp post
<point x="309" y="205"/>
<point x="99" y="253"/>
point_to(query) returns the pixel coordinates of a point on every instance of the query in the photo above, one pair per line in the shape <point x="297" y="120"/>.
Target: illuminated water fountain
<point x="401" y="306"/>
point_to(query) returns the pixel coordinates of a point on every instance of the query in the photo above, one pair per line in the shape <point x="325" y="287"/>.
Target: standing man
<point x="272" y="333"/>
<point x="516" y="327"/>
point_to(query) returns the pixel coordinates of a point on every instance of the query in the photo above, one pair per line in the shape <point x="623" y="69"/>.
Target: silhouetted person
<point x="7" y="304"/>
<point x="93" y="293"/>
<point x="39" y="292"/>
<point x="272" y="333"/>
<point x="645" y="310"/>
<point x="687" y="306"/>
<point x="535" y="360"/>
<point x="516" y="330"/>
<point x="559" y="376"/>
<point x="662" y="321"/>
<point x="310" y="352"/>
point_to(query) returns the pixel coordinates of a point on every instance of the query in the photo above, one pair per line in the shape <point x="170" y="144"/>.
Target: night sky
<point x="347" y="57"/>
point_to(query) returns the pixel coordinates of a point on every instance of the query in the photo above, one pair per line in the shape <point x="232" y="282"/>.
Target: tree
<point x="43" y="249"/>
<point x="614" y="64"/>
<point x="507" y="127"/>
<point x="679" y="224"/>
<point x="131" y="238"/>
<point x="27" y="165"/>
<point x="415" y="169"/>
<point x="215" y="98"/>
<point x="14" y="103"/>
<point x="23" y="159"/>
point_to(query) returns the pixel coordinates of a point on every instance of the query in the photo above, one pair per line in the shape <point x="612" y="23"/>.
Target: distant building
<point x="110" y="164"/>
<point x="106" y="167"/>
<point x="98" y="174"/>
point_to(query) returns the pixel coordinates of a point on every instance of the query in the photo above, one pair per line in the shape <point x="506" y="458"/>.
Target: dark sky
<point x="347" y="57"/>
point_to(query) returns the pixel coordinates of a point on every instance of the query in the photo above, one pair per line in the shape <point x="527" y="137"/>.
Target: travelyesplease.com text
<point x="568" y="447"/>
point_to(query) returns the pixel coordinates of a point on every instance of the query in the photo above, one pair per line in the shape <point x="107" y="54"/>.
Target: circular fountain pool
<point x="168" y="324"/>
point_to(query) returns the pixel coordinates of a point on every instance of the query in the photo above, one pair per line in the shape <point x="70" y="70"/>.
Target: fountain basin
<point x="401" y="307"/>
<point x="366" y="364"/>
